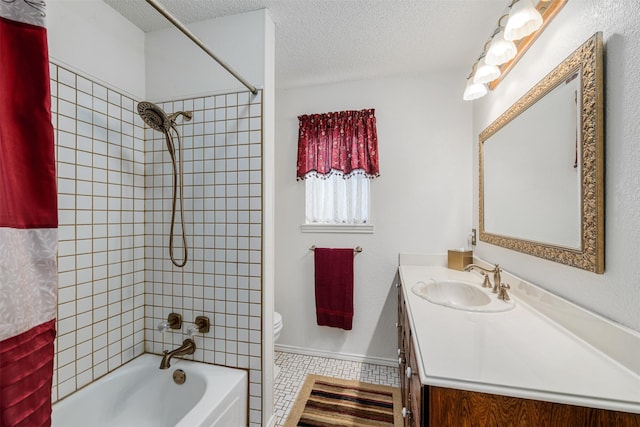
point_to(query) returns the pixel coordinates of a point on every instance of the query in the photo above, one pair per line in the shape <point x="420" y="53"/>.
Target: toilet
<point x="277" y="327"/>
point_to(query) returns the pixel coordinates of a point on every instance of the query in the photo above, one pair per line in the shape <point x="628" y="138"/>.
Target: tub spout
<point x="187" y="347"/>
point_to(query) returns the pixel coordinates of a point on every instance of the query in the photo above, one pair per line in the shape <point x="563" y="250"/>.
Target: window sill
<point x="337" y="228"/>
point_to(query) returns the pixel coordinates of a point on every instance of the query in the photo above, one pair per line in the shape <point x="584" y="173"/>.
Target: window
<point x="337" y="157"/>
<point x="336" y="200"/>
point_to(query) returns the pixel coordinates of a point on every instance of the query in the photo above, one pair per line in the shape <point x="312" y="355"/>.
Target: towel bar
<point x="356" y="250"/>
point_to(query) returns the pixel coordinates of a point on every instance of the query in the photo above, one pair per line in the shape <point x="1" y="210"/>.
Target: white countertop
<point x="520" y="353"/>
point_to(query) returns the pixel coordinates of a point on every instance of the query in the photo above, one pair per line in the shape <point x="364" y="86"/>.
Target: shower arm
<point x="164" y="12"/>
<point x="186" y="114"/>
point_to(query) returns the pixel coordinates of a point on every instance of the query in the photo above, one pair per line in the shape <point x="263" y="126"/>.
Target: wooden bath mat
<point x="325" y="402"/>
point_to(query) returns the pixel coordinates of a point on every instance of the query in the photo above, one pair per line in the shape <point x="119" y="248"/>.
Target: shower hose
<point x="177" y="193"/>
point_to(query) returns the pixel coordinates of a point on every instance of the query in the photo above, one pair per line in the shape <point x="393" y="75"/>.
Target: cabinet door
<point x="402" y="350"/>
<point x="400" y="324"/>
<point x="415" y="388"/>
<point x="410" y="385"/>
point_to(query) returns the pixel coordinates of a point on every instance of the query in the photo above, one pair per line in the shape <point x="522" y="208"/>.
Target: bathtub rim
<point x="154" y="359"/>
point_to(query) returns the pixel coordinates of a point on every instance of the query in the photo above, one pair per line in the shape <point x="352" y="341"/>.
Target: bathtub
<point x="139" y="394"/>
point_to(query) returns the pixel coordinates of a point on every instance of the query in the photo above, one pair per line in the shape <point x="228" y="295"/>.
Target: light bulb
<point x="485" y="73"/>
<point x="523" y="20"/>
<point x="474" y="90"/>
<point x="500" y="50"/>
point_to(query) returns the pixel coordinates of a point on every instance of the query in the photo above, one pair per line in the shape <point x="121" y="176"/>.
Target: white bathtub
<point x="139" y="394"/>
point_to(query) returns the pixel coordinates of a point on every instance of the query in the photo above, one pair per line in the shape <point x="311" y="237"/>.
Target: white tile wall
<point x="100" y="168"/>
<point x="222" y="170"/>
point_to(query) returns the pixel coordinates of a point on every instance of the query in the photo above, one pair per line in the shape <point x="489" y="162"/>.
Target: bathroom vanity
<point x="541" y="361"/>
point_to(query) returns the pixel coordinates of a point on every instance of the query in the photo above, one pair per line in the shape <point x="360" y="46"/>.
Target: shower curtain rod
<point x="164" y="12"/>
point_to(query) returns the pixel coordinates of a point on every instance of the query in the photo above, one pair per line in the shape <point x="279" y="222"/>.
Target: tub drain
<point x="179" y="376"/>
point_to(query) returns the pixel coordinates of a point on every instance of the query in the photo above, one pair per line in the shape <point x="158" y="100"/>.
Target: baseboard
<point x="333" y="355"/>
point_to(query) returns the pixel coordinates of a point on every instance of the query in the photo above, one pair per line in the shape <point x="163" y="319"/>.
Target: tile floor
<point x="294" y="367"/>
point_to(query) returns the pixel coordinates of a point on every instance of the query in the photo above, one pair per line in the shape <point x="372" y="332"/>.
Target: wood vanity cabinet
<point x="412" y="390"/>
<point x="430" y="406"/>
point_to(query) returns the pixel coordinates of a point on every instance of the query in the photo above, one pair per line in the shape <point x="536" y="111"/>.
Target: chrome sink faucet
<point x="187" y="347"/>
<point x="496" y="276"/>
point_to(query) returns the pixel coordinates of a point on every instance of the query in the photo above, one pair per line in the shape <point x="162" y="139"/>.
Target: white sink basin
<point x="460" y="295"/>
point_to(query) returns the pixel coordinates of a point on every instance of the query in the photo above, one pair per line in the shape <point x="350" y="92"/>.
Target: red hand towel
<point x="334" y="287"/>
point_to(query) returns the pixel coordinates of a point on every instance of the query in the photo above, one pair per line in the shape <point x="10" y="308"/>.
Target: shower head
<point x="154" y="116"/>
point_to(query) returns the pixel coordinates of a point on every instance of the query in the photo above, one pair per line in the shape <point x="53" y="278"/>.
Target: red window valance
<point x="344" y="142"/>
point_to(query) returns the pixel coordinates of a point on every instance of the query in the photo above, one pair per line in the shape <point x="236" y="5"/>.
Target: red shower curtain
<point x="28" y="218"/>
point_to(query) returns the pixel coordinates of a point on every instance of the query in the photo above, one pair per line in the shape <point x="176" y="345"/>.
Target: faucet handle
<point x="192" y="330"/>
<point x="163" y="326"/>
<point x="203" y="324"/>
<point x="503" y="294"/>
<point x="485" y="283"/>
<point x="174" y="321"/>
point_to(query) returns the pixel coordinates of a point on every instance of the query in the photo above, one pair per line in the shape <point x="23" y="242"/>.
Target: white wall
<point x="178" y="68"/>
<point x="91" y="37"/>
<point x="421" y="202"/>
<point x="616" y="293"/>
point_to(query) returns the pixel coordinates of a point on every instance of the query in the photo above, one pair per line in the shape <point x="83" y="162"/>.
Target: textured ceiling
<point x="320" y="41"/>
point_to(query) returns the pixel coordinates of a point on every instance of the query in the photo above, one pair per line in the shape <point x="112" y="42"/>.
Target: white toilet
<point x="277" y="327"/>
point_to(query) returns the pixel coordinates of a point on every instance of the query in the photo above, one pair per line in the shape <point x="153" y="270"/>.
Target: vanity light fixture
<point x="508" y="42"/>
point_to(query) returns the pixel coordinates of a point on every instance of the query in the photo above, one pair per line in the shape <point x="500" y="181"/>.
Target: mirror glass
<point x="532" y="174"/>
<point x="541" y="177"/>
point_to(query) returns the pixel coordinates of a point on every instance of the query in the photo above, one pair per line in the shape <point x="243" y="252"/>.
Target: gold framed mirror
<point x="541" y="166"/>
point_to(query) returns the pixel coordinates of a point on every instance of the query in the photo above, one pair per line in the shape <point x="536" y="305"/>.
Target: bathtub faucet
<point x="187" y="347"/>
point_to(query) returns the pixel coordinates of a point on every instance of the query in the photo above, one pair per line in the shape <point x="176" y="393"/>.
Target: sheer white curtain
<point x="334" y="199"/>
